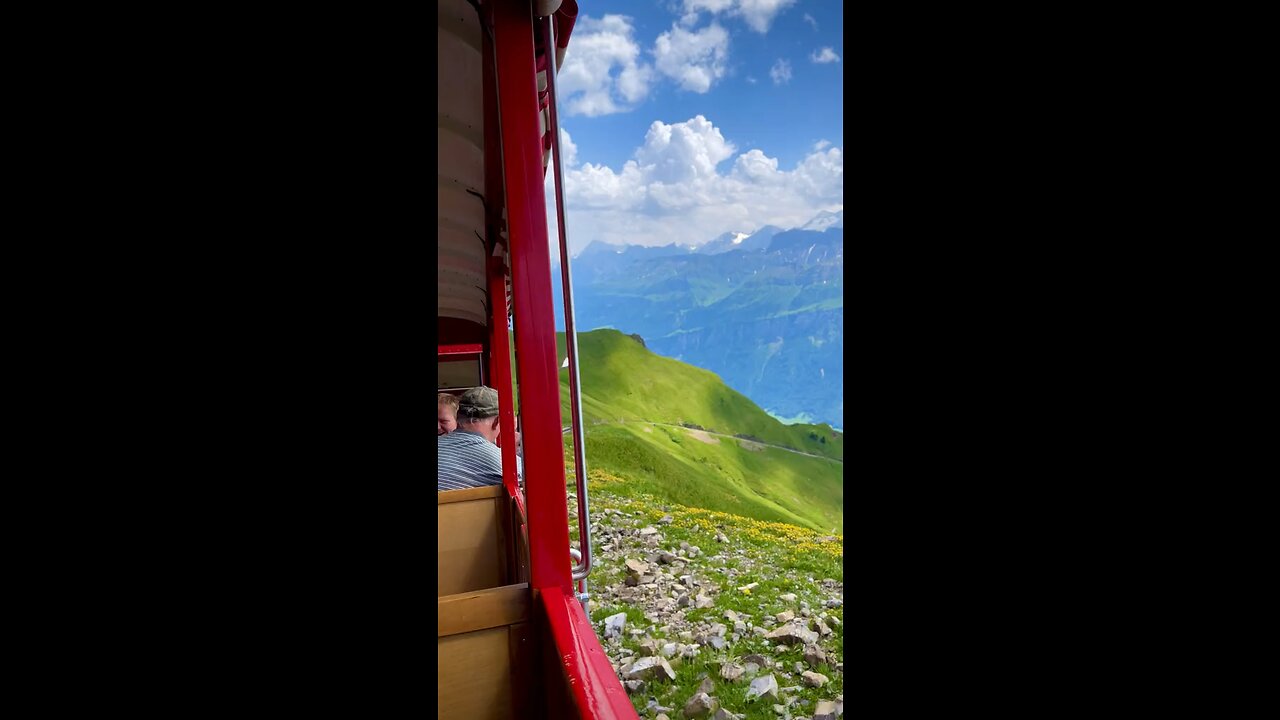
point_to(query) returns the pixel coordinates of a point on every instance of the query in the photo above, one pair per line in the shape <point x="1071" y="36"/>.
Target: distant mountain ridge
<point x="764" y="311"/>
<point x="825" y="220"/>
<point x="758" y="240"/>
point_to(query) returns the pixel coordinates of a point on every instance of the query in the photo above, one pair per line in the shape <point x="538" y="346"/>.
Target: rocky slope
<point x="711" y="615"/>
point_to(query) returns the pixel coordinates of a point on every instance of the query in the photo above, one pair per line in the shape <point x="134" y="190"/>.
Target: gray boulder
<point x="614" y="624"/>
<point x="766" y="686"/>
<point x="649" y="668"/>
<point x="700" y="705"/>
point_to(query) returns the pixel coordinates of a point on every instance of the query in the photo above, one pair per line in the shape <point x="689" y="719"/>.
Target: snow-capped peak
<point x="824" y="220"/>
<point x="739" y="237"/>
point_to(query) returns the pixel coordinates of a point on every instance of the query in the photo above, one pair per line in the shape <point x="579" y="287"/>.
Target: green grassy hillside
<point x="638" y="407"/>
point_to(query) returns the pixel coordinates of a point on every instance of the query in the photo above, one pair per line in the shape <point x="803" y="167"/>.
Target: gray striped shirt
<point x="467" y="460"/>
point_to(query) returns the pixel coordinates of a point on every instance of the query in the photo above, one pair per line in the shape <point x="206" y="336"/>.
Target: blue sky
<point x="685" y="119"/>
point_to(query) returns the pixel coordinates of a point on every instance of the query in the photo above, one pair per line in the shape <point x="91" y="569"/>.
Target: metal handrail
<point x="570" y="336"/>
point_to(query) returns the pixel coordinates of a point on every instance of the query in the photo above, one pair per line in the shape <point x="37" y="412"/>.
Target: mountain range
<point x="763" y="310"/>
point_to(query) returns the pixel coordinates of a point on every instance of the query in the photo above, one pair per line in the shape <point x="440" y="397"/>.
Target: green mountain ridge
<point x="676" y="431"/>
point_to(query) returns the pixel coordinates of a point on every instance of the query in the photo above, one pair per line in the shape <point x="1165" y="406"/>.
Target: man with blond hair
<point x="446" y="413"/>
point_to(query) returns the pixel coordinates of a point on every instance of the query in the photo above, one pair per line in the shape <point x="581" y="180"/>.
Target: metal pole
<point x="570" y="336"/>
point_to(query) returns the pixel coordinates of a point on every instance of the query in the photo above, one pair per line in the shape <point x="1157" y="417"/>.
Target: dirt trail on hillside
<point x="705" y="436"/>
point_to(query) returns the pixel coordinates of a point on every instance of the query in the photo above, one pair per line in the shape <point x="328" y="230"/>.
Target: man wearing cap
<point x="469" y="456"/>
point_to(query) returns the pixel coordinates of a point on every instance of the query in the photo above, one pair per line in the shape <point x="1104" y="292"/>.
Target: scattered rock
<point x="814" y="655"/>
<point x="649" y="668"/>
<point x="723" y="714"/>
<point x="666" y="520"/>
<point x="702" y="601"/>
<point x="789" y="597"/>
<point x="700" y="705"/>
<point x="731" y="671"/>
<point x="752" y="668"/>
<point x="634" y="686"/>
<point x="785" y="616"/>
<point x="793" y="635"/>
<point x="613" y="625"/>
<point x="749" y="588"/>
<point x="826" y="710"/>
<point x="766" y="686"/>
<point x="649" y="531"/>
<point x="706" y="686"/>
<point x="814" y="679"/>
<point x="760" y="660"/>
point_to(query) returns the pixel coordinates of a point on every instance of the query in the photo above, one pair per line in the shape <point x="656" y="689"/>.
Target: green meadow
<point x="676" y="432"/>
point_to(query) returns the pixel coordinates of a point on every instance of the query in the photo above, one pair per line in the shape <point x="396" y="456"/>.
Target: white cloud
<point x="809" y="19"/>
<point x="751" y="80"/>
<point x="780" y="72"/>
<point x="683" y="151"/>
<point x="601" y="73"/>
<point x="755" y="166"/>
<point x="758" y="14"/>
<point x="684" y="184"/>
<point x="711" y="6"/>
<point x="568" y="150"/>
<point x="826" y="55"/>
<point x="695" y="60"/>
<point x="821" y="144"/>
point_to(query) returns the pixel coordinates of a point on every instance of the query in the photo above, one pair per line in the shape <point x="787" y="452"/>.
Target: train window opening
<point x="458" y="376"/>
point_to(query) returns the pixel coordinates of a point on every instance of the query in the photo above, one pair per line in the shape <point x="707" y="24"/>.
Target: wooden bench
<point x="483" y="635"/>
<point x="472" y="539"/>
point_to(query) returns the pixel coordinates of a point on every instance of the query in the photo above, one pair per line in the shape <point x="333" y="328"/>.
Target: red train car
<point x="513" y="639"/>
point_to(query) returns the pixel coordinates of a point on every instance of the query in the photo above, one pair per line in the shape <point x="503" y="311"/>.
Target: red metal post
<point x="595" y="687"/>
<point x="537" y="369"/>
<point x="499" y="340"/>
